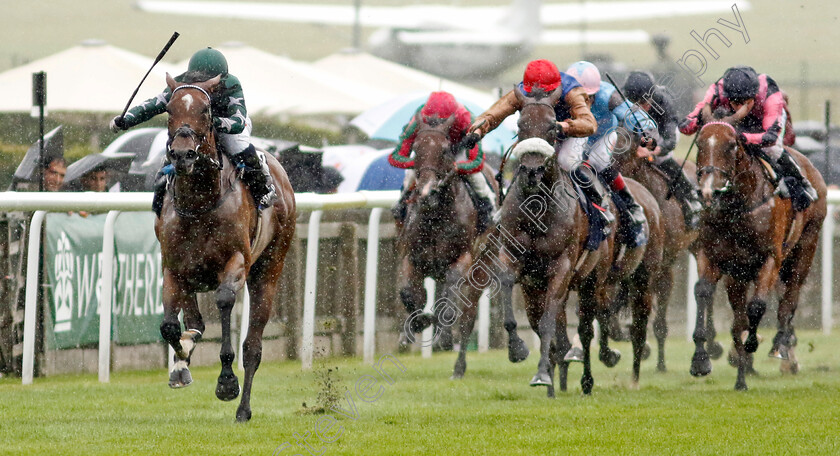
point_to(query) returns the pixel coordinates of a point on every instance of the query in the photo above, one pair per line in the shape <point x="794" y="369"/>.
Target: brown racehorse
<point x="751" y="235"/>
<point x="678" y="238"/>
<point x="213" y="238"/>
<point x="438" y="240"/>
<point x="544" y="231"/>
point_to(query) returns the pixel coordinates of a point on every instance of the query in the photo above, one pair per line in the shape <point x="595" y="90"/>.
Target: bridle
<point x="709" y="169"/>
<point x="187" y="131"/>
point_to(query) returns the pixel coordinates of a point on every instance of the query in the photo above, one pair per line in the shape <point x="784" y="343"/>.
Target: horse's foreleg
<point x="261" y="293"/>
<point x="560" y="274"/>
<point x="175" y="299"/>
<point x="586" y="315"/>
<point x="642" y="304"/>
<point x="704" y="293"/>
<point x="758" y="304"/>
<point x="662" y="287"/>
<point x="231" y="281"/>
<point x="463" y="293"/>
<point x="737" y="292"/>
<point x="796" y="269"/>
<point x="517" y="350"/>
<point x="413" y="297"/>
<point x="603" y="314"/>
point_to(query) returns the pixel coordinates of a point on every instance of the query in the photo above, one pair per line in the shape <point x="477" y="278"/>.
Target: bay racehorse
<point x="679" y="239"/>
<point x="753" y="236"/>
<point x="213" y="238"/>
<point x="439" y="240"/>
<point x="544" y="232"/>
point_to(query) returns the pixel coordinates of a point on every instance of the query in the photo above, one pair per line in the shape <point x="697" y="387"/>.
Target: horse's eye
<point x="523" y="168"/>
<point x="541" y="169"/>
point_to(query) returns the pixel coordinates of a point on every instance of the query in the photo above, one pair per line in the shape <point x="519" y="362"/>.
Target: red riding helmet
<point x="541" y="74"/>
<point x="441" y="104"/>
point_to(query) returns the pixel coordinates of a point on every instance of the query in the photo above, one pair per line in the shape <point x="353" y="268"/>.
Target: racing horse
<point x="439" y="240"/>
<point x="678" y="237"/>
<point x="753" y="236"/>
<point x="544" y="232"/>
<point x="212" y="237"/>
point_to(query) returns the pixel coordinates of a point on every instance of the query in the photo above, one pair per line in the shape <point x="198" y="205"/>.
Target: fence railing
<point x="114" y="203"/>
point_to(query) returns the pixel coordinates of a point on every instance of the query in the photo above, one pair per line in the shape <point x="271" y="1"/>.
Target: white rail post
<point x="827" y="269"/>
<point x="244" y="323"/>
<point x="690" y="302"/>
<point x="309" y="288"/>
<point x="106" y="304"/>
<point x="31" y="307"/>
<point x="428" y="333"/>
<point x="484" y="322"/>
<point x="370" y="285"/>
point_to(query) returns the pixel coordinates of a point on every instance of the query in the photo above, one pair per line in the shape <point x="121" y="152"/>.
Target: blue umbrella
<point x="380" y="175"/>
<point x="387" y="120"/>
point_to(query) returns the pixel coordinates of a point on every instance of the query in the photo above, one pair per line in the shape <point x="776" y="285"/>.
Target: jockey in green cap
<point x="230" y="120"/>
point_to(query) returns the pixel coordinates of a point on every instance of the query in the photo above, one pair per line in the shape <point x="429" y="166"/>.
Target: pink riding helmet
<point x="587" y="75"/>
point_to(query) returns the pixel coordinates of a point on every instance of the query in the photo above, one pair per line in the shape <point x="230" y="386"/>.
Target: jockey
<point x="231" y="121"/>
<point x="609" y="110"/>
<point x="443" y="106"/>
<point x="759" y="112"/>
<point x="658" y="102"/>
<point x="574" y="119"/>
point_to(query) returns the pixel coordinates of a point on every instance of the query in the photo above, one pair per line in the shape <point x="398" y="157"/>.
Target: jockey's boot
<point x="400" y="209"/>
<point x="800" y="198"/>
<point x="161" y="180"/>
<point x="256" y="175"/>
<point x="685" y="192"/>
<point x="631" y="213"/>
<point x="483" y="199"/>
<point x="584" y="180"/>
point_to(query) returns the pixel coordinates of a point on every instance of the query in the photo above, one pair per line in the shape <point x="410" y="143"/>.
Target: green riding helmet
<point x="209" y="62"/>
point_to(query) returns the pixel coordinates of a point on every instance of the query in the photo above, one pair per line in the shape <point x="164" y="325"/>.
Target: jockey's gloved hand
<point x="118" y="124"/>
<point x="648" y="142"/>
<point x="742" y="138"/>
<point x="469" y="141"/>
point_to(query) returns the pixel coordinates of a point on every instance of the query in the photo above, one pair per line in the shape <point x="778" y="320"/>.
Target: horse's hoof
<point x="421" y="322"/>
<point x="701" y="365"/>
<point x="517" y="351"/>
<point x="180" y="377"/>
<point x="732" y="357"/>
<point x="458" y="371"/>
<point x="541" y="379"/>
<point x="751" y="344"/>
<point x="586" y="384"/>
<point x="775" y="353"/>
<point x="574" y="355"/>
<point x="646" y="350"/>
<point x="660" y="367"/>
<point x="243" y="415"/>
<point x="714" y="349"/>
<point x="741" y="386"/>
<point x="789" y="367"/>
<point x="457" y="376"/>
<point x="227" y="388"/>
<point x="609" y="357"/>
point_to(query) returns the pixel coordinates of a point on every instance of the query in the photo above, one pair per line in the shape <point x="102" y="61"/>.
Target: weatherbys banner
<point x="74" y="275"/>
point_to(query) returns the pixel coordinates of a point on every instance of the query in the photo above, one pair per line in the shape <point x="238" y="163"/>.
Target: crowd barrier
<point x="114" y="203"/>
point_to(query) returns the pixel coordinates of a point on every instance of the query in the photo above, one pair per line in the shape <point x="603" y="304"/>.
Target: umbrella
<point x="363" y="168"/>
<point x="28" y="169"/>
<point x="119" y="162"/>
<point x="387" y="120"/>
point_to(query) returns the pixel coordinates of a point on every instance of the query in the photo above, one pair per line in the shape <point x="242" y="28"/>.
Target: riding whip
<point x="157" y="59"/>
<point x="626" y="100"/>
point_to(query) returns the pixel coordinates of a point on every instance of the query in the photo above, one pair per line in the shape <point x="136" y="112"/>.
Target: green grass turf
<point x="491" y="411"/>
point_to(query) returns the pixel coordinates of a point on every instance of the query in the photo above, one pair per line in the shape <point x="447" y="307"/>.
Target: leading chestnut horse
<point x="212" y="237"/>
<point x="754" y="237"/>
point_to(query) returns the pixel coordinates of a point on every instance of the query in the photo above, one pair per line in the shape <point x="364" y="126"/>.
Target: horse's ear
<point x="555" y="95"/>
<point x="447" y="125"/>
<point x="212" y="84"/>
<point x="520" y="97"/>
<point x="170" y="82"/>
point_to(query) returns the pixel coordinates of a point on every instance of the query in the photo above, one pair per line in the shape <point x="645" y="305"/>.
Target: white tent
<point x="91" y="77"/>
<point x="278" y="85"/>
<point x="392" y="79"/>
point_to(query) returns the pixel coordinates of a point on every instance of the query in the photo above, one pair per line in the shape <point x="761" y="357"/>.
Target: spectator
<point x="54" y="169"/>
